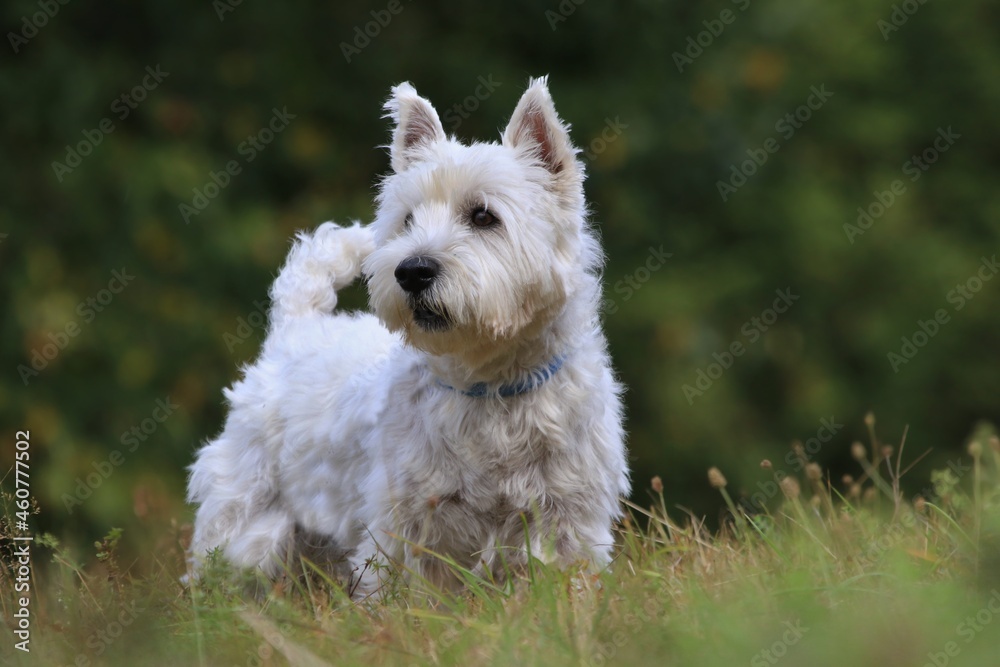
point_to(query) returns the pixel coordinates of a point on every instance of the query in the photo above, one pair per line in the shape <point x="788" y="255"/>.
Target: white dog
<point x="476" y="417"/>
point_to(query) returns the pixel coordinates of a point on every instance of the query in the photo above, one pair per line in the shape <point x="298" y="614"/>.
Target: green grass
<point x="841" y="572"/>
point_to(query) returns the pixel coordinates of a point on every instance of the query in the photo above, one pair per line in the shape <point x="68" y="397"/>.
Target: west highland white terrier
<point x="475" y="416"/>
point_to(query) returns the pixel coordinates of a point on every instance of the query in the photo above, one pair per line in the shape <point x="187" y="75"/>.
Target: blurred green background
<point x="665" y="98"/>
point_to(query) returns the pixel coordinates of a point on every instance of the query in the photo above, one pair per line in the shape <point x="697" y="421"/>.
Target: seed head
<point x="886" y="451"/>
<point x="790" y="487"/>
<point x="858" y="451"/>
<point x="766" y="464"/>
<point x="847" y="480"/>
<point x="919" y="504"/>
<point x="995" y="444"/>
<point x="855" y="491"/>
<point x="813" y="472"/>
<point x="799" y="450"/>
<point x="975" y="449"/>
<point x="657" y="484"/>
<point x="716" y="478"/>
<point x="870" y="494"/>
<point x="870" y="419"/>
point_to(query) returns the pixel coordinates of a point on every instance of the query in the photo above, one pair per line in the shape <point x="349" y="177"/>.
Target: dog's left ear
<point x="417" y="125"/>
<point x="536" y="127"/>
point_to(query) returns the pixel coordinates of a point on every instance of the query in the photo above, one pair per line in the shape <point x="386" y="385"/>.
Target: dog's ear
<point x="536" y="127"/>
<point x="417" y="125"/>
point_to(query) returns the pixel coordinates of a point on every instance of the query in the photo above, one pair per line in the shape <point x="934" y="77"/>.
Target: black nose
<point x="415" y="274"/>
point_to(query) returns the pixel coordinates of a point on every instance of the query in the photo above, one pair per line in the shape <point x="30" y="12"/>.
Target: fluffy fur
<point x="352" y="440"/>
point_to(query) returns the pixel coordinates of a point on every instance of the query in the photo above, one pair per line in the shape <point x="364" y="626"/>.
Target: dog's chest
<point x="494" y="459"/>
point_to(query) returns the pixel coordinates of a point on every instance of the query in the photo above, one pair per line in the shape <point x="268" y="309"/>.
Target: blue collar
<point x="534" y="380"/>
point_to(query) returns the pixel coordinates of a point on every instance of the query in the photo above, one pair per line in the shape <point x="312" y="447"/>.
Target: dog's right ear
<point x="417" y="125"/>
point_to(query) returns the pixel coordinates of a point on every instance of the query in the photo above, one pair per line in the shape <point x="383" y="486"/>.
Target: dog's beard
<point x="429" y="316"/>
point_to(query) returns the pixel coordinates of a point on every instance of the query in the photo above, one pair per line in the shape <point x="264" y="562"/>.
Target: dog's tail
<point x="318" y="265"/>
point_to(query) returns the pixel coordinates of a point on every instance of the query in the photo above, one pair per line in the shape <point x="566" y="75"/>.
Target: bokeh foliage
<point x="169" y="332"/>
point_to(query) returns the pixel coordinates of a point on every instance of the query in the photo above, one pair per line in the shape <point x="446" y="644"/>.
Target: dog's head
<point x="478" y="245"/>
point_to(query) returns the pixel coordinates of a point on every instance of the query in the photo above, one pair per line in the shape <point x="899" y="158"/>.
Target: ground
<point x="830" y="572"/>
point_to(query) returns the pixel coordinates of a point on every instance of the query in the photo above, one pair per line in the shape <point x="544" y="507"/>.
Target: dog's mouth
<point x="429" y="318"/>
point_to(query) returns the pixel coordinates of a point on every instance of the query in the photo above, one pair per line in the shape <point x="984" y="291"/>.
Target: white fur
<point x="348" y="442"/>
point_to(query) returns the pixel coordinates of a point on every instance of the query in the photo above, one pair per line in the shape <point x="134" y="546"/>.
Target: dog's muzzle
<point x="415" y="276"/>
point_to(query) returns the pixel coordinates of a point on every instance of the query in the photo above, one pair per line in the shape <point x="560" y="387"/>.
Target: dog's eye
<point x="483" y="218"/>
<point x="407" y="221"/>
